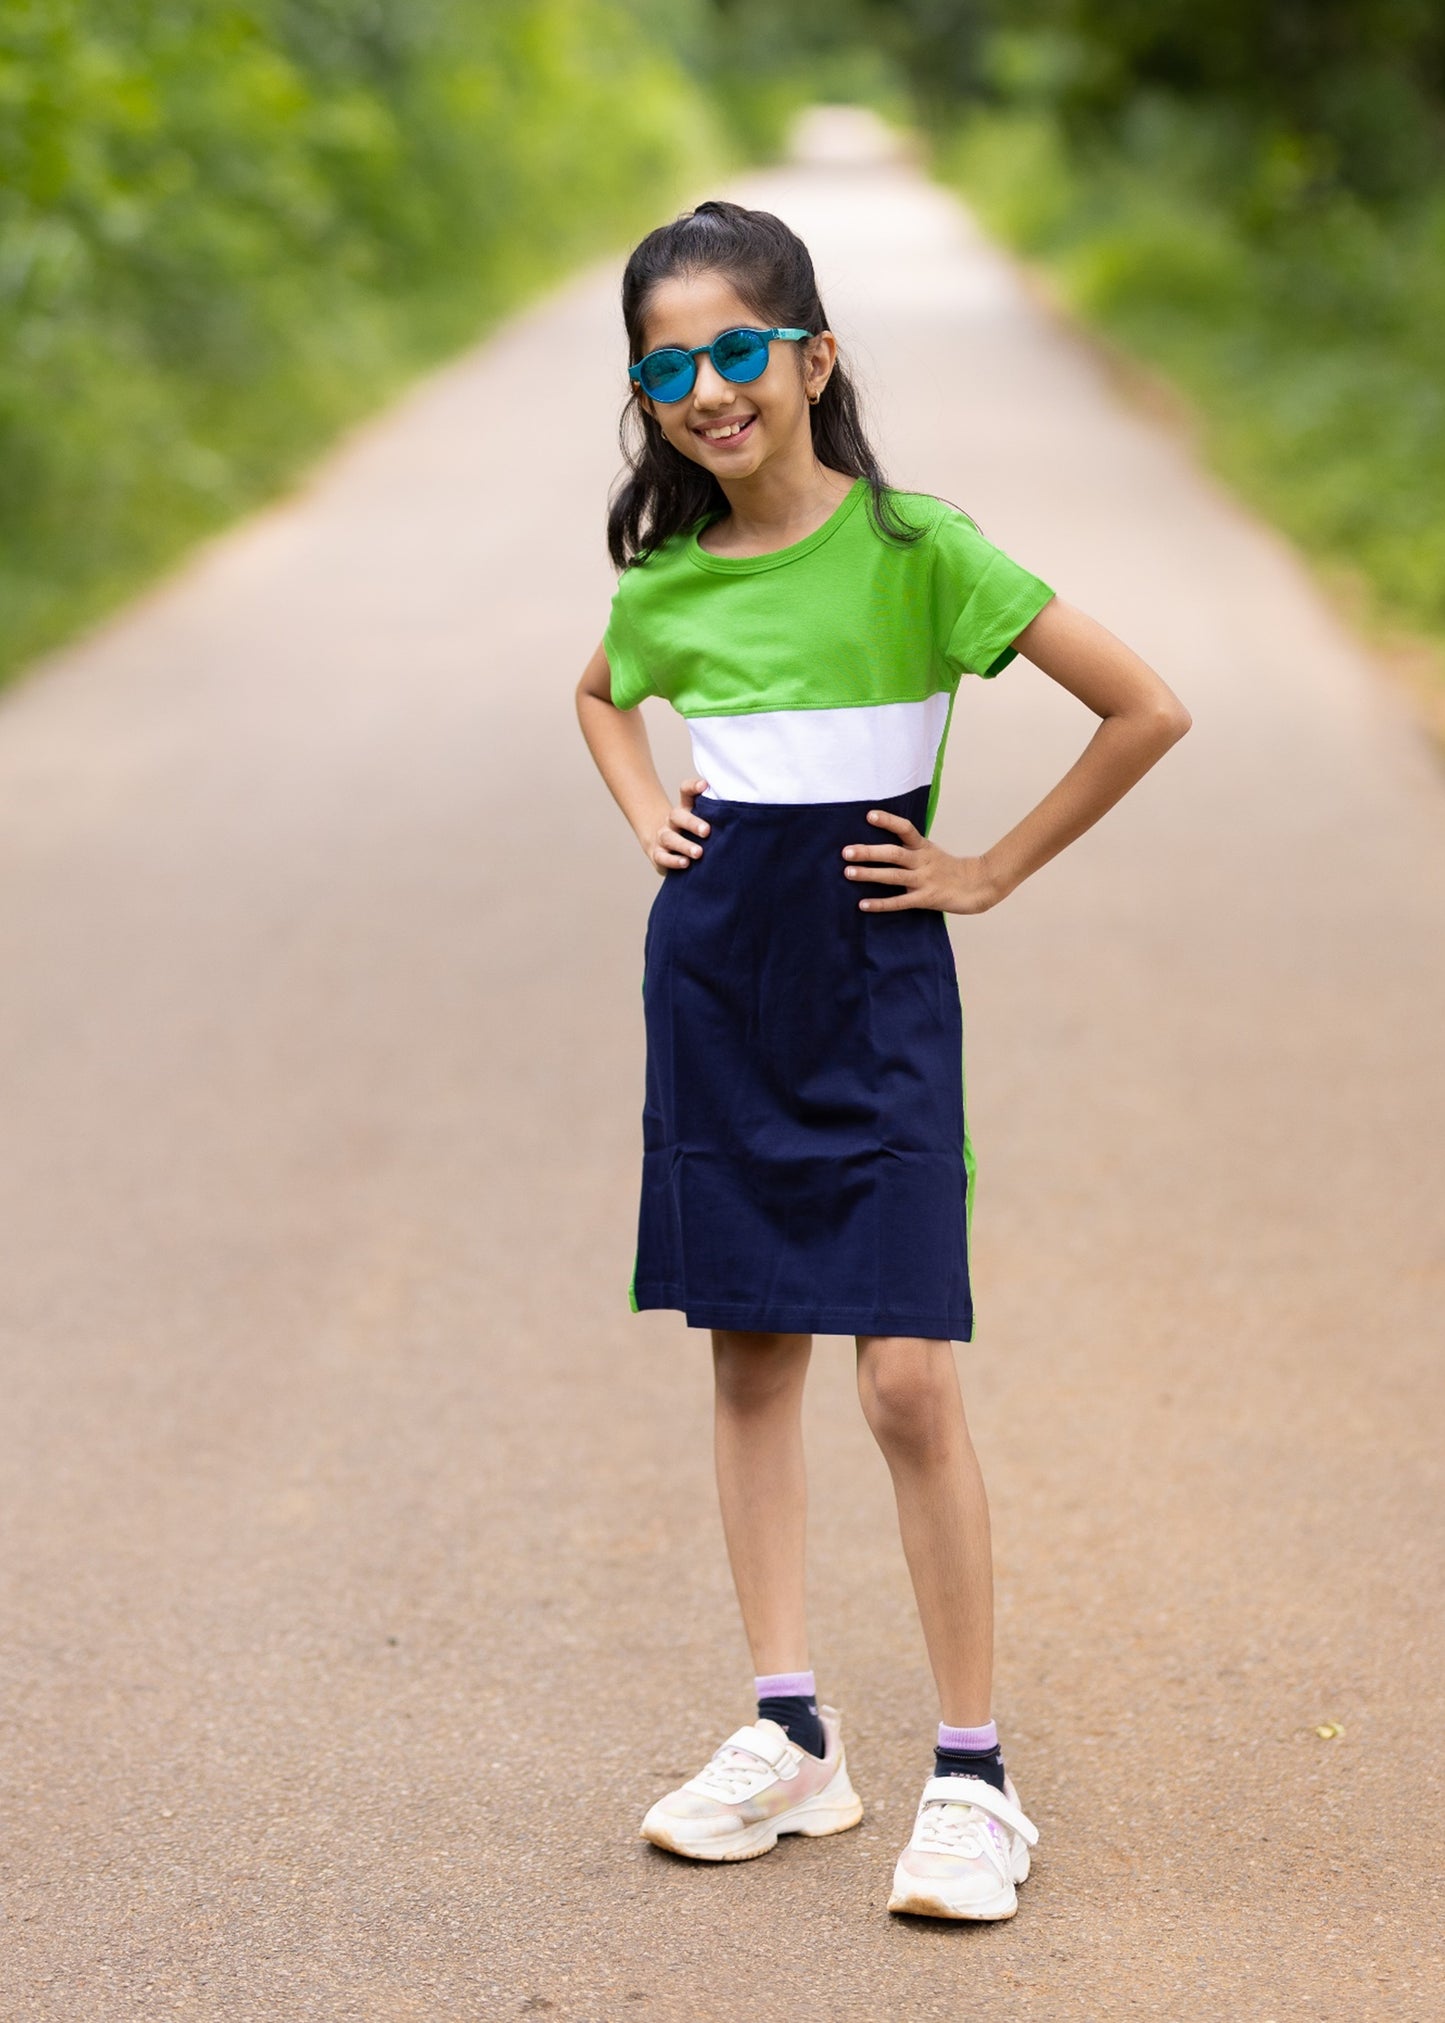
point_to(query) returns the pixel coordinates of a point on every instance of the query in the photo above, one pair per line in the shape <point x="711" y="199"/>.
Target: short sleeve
<point x="630" y="681"/>
<point x="982" y="598"/>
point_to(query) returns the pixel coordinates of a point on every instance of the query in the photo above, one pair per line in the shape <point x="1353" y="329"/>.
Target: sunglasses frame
<point x="634" y="372"/>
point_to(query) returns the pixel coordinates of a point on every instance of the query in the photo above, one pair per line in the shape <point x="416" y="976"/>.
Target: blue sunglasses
<point x="739" y="355"/>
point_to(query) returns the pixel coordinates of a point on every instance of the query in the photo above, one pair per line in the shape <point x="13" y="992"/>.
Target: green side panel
<point x="938" y="766"/>
<point x="971" y="1170"/>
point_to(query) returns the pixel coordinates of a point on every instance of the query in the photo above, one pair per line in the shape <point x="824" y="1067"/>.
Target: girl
<point x="806" y="1162"/>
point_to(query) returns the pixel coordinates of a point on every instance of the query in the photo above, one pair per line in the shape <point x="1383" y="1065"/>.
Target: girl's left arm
<point x="1140" y="718"/>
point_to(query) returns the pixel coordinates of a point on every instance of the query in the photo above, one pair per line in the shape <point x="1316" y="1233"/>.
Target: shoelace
<point x="730" y="1772"/>
<point x="960" y="1830"/>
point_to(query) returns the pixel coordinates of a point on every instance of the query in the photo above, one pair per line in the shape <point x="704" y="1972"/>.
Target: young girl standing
<point x="806" y="1162"/>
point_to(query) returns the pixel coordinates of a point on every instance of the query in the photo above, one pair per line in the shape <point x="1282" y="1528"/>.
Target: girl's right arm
<point x="617" y="740"/>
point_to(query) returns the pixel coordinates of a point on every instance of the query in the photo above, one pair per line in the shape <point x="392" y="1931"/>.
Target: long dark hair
<point x="771" y="270"/>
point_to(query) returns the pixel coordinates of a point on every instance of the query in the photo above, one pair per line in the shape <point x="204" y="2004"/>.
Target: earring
<point x="814" y="398"/>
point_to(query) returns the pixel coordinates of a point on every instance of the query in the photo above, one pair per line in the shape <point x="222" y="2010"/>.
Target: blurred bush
<point x="1252" y="199"/>
<point x="229" y="226"/>
<point x="1354" y="86"/>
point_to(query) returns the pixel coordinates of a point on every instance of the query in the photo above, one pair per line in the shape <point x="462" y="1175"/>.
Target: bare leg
<point x="762" y="1487"/>
<point x="912" y="1401"/>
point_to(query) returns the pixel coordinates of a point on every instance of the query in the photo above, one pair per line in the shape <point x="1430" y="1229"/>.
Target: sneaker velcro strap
<point x="987" y="1797"/>
<point x="774" y="1749"/>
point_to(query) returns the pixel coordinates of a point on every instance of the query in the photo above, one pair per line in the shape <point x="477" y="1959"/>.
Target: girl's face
<point x="733" y="430"/>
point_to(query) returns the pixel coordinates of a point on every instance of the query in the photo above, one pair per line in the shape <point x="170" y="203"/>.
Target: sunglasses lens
<point x="740" y="355"/>
<point x="666" y="375"/>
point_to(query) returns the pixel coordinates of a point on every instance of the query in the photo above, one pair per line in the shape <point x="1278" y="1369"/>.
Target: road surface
<point x="364" y="1575"/>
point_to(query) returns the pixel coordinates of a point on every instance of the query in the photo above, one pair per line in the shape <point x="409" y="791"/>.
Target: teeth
<point x="717" y="435"/>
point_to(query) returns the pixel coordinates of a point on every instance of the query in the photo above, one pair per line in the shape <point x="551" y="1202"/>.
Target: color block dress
<point x="806" y="1166"/>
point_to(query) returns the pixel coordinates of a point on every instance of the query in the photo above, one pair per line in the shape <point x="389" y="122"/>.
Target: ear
<point x="820" y="352"/>
<point x="649" y="407"/>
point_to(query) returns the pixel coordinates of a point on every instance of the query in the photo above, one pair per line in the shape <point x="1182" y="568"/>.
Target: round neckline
<point x="740" y="565"/>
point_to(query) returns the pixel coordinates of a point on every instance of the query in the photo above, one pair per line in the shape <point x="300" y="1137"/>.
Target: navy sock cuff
<point x="984" y="1763"/>
<point x="798" y="1717"/>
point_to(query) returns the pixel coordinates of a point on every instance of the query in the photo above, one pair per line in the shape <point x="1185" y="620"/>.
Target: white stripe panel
<point x="800" y="755"/>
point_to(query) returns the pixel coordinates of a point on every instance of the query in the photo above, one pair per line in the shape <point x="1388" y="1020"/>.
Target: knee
<point x="911" y="1401"/>
<point x="753" y="1371"/>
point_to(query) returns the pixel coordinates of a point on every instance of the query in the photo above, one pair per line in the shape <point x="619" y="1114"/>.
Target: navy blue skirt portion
<point x="804" y="1160"/>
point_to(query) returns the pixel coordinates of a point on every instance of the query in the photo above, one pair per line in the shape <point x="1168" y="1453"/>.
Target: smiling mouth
<point x="726" y="431"/>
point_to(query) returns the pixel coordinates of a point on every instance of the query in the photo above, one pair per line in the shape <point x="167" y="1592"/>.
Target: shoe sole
<point x="916" y="1905"/>
<point x="832" y="1810"/>
<point x="914" y="1900"/>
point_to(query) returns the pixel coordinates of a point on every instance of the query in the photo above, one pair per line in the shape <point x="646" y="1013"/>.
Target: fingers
<point x="675" y="849"/>
<point x="888" y="853"/>
<point x="904" y="899"/>
<point x="691" y="789"/>
<point x="676" y="840"/>
<point x="899" y="871"/>
<point x="682" y="816"/>
<point x="888" y="863"/>
<point x="886" y="819"/>
<point x="878" y="853"/>
<point x="881" y="874"/>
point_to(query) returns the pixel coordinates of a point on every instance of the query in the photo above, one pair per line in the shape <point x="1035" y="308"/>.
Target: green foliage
<point x="1303" y="322"/>
<point x="1362" y="83"/>
<point x="227" y="227"/>
<point x="1359" y="88"/>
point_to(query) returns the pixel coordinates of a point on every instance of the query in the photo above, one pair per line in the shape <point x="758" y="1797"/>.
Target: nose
<point x="712" y="390"/>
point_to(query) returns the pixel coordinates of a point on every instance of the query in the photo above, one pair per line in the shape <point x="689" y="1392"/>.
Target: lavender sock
<point x="969" y="1752"/>
<point x="791" y="1699"/>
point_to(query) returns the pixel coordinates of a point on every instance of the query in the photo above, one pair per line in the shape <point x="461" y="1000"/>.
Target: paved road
<point x="363" y="1575"/>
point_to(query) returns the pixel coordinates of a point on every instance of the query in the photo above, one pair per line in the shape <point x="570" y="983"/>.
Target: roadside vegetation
<point x="1251" y="203"/>
<point x="230" y="227"/>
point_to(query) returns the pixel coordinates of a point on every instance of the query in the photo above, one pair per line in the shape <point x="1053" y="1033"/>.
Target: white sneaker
<point x="970" y="1848"/>
<point x="757" y="1785"/>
